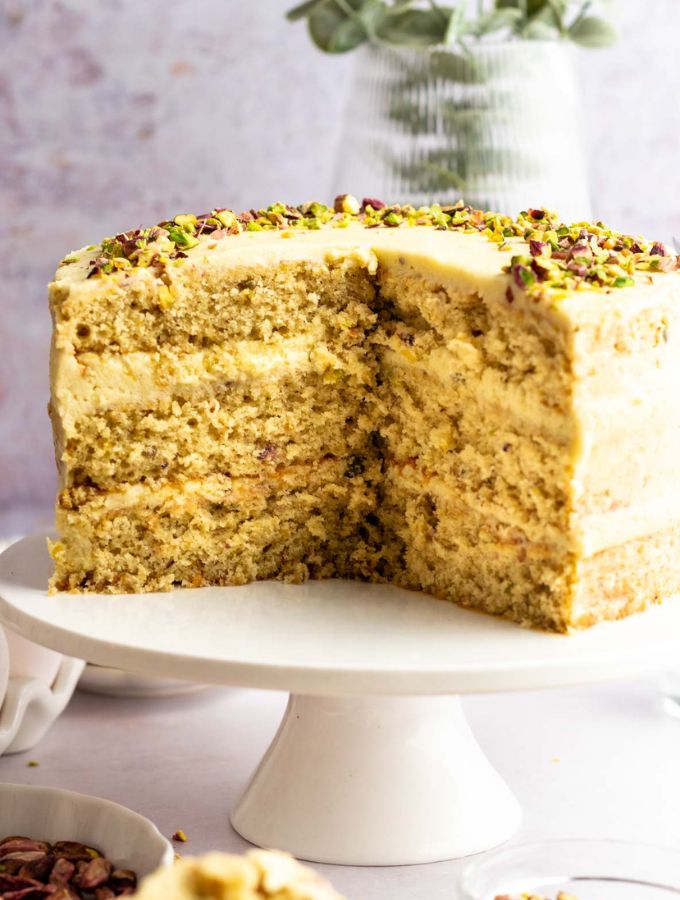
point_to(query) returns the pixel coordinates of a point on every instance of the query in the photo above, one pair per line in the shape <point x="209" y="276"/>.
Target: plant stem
<point x="581" y="13"/>
<point x="556" y="10"/>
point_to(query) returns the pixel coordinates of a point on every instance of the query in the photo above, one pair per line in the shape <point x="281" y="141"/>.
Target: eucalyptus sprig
<point x="337" y="26"/>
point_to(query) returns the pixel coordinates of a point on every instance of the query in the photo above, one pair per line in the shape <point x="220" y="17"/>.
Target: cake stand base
<point x="376" y="781"/>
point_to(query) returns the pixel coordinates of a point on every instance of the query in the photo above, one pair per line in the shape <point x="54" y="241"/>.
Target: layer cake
<point x="453" y="401"/>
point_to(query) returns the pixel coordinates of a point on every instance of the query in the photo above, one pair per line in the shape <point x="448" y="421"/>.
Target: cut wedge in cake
<point x="448" y="400"/>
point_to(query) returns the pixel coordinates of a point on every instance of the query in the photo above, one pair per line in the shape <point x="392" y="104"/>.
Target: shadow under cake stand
<point x="374" y="762"/>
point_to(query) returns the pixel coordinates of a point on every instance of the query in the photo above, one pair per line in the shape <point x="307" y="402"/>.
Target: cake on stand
<point x="374" y="763"/>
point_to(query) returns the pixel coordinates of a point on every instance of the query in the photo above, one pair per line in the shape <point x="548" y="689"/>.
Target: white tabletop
<point x="593" y="761"/>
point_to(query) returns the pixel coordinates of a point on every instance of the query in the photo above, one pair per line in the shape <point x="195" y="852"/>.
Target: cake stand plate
<point x="374" y="762"/>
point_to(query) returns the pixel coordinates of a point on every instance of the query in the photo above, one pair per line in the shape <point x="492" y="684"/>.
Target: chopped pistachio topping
<point x="585" y="255"/>
<point x="556" y="257"/>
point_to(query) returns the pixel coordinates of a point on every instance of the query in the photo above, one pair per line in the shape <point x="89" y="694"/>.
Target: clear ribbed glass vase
<point x="498" y="124"/>
<point x="670" y="691"/>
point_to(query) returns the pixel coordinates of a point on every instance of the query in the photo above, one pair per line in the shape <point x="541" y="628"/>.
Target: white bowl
<point x="29" y="660"/>
<point x="29" y="706"/>
<point x="129" y="840"/>
<point x="36" y="684"/>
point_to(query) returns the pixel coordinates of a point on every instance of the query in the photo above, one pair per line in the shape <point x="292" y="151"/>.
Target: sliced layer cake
<point x="449" y="400"/>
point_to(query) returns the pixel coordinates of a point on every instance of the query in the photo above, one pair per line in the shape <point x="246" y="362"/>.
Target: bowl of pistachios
<point x="63" y="845"/>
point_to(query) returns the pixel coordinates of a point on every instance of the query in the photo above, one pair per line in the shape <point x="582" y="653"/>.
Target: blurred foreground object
<point x="218" y="876"/>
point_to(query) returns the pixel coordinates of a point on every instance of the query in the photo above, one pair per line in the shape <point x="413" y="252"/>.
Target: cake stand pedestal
<point x="374" y="762"/>
<point x="376" y="781"/>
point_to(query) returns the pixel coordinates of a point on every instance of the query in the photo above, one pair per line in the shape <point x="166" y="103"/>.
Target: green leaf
<point x="412" y="28"/>
<point x="337" y="26"/>
<point x="496" y="20"/>
<point x="411" y="117"/>
<point x="560" y="7"/>
<point x="530" y="9"/>
<point x="302" y="10"/>
<point x="547" y="16"/>
<point x="463" y="168"/>
<point x="372" y="14"/>
<point x="465" y="69"/>
<point x="347" y="36"/>
<point x="535" y="6"/>
<point x="592" y="31"/>
<point x="473" y="123"/>
<point x="454" y="67"/>
<point x="536" y="30"/>
<point x="471" y="119"/>
<point x="333" y="30"/>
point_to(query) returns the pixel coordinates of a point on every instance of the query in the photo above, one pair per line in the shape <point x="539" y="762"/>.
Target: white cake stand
<point x="374" y="762"/>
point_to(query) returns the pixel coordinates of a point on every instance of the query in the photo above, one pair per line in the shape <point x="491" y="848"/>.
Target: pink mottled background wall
<point x="115" y="114"/>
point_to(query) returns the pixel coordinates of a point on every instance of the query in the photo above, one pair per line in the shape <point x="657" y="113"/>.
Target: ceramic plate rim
<point x="544" y="669"/>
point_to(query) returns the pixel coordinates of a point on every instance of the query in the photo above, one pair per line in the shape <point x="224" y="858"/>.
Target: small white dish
<point x="596" y="869"/>
<point x="31" y="706"/>
<point x="126" y="838"/>
<point x="28" y="660"/>
<point x="40" y="684"/>
<point x="36" y="684"/>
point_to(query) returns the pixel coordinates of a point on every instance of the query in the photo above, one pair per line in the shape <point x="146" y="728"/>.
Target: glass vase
<point x="669" y="684"/>
<point x="497" y="124"/>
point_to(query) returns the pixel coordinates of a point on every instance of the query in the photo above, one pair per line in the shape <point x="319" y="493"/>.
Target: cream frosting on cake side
<point x="480" y="413"/>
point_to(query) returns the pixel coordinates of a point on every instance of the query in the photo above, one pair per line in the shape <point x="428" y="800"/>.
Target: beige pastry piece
<point x="258" y="875"/>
